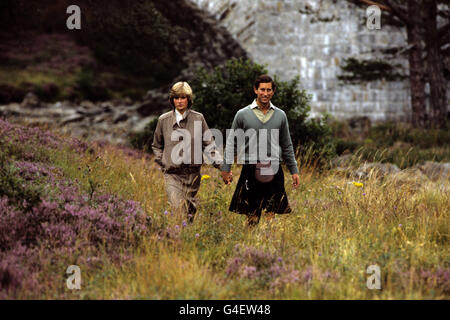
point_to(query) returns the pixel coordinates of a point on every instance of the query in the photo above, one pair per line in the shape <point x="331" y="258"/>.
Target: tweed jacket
<point x="170" y="138"/>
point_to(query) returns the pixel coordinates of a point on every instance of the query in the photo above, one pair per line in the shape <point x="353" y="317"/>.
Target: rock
<point x="57" y="105"/>
<point x="141" y="124"/>
<point x="62" y="106"/>
<point x="89" y="112"/>
<point x="154" y="102"/>
<point x="342" y="161"/>
<point x="411" y="177"/>
<point x="127" y="101"/>
<point x="88" y="105"/>
<point x="71" y="118"/>
<point x="120" y="117"/>
<point x="133" y="119"/>
<point x="11" y="110"/>
<point x="107" y="106"/>
<point x="435" y="170"/>
<point x="101" y="118"/>
<point x="31" y="101"/>
<point x="367" y="170"/>
<point x="89" y="109"/>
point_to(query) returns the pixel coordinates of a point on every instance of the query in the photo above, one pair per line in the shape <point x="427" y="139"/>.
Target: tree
<point x="425" y="39"/>
<point x="416" y="68"/>
<point x="438" y="91"/>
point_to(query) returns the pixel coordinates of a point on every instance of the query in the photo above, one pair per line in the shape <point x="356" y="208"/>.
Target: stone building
<point x="311" y="39"/>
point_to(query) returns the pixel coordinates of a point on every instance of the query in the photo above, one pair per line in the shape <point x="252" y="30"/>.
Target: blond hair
<point x="181" y="88"/>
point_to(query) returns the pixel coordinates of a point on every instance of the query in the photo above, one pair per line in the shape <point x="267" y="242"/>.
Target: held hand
<point x="227" y="177"/>
<point x="295" y="180"/>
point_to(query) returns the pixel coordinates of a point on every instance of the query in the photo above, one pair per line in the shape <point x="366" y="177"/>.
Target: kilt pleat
<point x="252" y="196"/>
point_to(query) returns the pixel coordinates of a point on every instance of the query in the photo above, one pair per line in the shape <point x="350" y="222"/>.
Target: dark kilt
<point x="252" y="196"/>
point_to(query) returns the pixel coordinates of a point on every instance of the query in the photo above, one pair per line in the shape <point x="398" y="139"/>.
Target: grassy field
<point x="320" y="251"/>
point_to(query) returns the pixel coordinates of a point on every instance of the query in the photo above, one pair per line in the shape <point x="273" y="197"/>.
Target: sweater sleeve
<point x="287" y="148"/>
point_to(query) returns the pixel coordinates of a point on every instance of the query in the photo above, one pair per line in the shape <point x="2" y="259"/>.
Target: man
<point x="261" y="186"/>
<point x="180" y="161"/>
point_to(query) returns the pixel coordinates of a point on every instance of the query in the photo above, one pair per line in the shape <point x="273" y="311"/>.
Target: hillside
<point x="124" y="48"/>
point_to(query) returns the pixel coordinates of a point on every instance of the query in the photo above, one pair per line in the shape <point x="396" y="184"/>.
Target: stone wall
<point x="310" y="39"/>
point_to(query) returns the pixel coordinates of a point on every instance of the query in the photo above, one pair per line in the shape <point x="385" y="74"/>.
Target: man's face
<point x="264" y="93"/>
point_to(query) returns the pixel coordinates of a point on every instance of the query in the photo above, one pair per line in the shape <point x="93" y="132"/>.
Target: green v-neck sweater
<point x="251" y="126"/>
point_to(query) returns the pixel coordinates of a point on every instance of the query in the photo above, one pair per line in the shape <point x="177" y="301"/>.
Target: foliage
<point x="343" y="145"/>
<point x="135" y="37"/>
<point x="45" y="216"/>
<point x="87" y="88"/>
<point x="395" y="143"/>
<point x="220" y="94"/>
<point x="319" y="251"/>
<point x="356" y="71"/>
<point x="386" y="134"/>
<point x="402" y="156"/>
<point x="14" y="188"/>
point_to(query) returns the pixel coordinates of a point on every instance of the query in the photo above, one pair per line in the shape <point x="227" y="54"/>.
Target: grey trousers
<point x="181" y="190"/>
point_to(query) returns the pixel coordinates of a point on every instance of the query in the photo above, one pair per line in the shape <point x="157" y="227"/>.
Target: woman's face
<point x="181" y="103"/>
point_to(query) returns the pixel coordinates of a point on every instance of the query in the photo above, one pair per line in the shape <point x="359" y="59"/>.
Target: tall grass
<point x="319" y="251"/>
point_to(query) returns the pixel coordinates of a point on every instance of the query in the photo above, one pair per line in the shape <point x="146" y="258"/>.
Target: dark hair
<point x="264" y="78"/>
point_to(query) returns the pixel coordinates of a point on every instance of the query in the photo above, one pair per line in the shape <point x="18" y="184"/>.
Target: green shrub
<point x="345" y="146"/>
<point x="221" y="93"/>
<point x="357" y="71"/>
<point x="86" y="87"/>
<point x="386" y="134"/>
<point x="400" y="157"/>
<point x="16" y="189"/>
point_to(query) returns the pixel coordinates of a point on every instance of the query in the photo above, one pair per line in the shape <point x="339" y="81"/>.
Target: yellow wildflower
<point x="205" y="177"/>
<point x="357" y="184"/>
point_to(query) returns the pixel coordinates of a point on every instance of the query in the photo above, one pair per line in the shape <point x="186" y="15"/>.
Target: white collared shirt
<point x="180" y="116"/>
<point x="255" y="105"/>
<point x="261" y="116"/>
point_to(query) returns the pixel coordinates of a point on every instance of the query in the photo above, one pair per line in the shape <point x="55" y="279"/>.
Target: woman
<point x="177" y="159"/>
